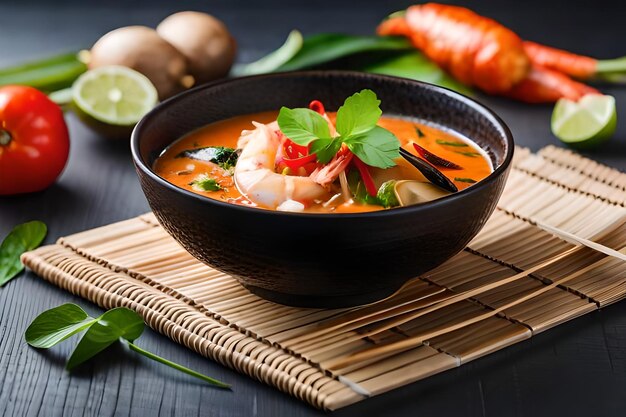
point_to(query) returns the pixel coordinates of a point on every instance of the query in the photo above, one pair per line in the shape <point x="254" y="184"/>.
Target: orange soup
<point x="208" y="160"/>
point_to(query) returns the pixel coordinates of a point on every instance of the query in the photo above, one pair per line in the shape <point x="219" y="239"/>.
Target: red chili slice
<point x="317" y="106"/>
<point x="434" y="159"/>
<point x="368" y="181"/>
<point x="296" y="163"/>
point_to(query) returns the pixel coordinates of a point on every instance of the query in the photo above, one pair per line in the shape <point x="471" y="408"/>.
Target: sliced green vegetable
<point x="327" y="47"/>
<point x="449" y="143"/>
<point x="274" y="60"/>
<point x="416" y="66"/>
<point x="205" y="183"/>
<point x="387" y="194"/>
<point x="48" y="74"/>
<point x="22" y="238"/>
<point x="468" y="180"/>
<point x="470" y="154"/>
<point x="220" y="155"/>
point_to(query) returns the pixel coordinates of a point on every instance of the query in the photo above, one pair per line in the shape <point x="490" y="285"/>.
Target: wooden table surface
<point x="578" y="368"/>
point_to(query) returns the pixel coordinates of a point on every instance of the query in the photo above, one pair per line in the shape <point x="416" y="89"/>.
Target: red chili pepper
<point x="317" y="106"/>
<point x="434" y="159"/>
<point x="368" y="181"/>
<point x="296" y="163"/>
<point x="295" y="151"/>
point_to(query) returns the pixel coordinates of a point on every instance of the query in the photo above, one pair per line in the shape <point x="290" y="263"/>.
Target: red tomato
<point x="34" y="141"/>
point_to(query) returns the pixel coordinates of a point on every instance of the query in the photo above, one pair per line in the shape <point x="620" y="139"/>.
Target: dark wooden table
<point x="578" y="368"/>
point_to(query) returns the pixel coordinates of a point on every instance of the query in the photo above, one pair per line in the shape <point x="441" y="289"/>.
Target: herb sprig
<point x="356" y="124"/>
<point x="119" y="324"/>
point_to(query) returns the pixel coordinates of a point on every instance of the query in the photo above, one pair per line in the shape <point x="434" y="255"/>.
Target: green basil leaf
<point x="302" y="126"/>
<point x="327" y="47"/>
<point x="416" y="66"/>
<point x="273" y="60"/>
<point x="325" y="149"/>
<point x="57" y="324"/>
<point x="377" y="147"/>
<point x="359" y="113"/>
<point x="22" y="238"/>
<point x="110" y="327"/>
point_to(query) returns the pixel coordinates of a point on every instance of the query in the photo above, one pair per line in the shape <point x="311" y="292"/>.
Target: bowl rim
<point x="474" y="104"/>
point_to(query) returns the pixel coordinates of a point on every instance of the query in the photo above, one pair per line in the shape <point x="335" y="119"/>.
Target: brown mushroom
<point x="204" y="40"/>
<point x="142" y="49"/>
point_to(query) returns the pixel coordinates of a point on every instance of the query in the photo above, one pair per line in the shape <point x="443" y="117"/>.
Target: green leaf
<point x="110" y="327"/>
<point x="416" y="66"/>
<point x="302" y="126"/>
<point x="325" y="149"/>
<point x="359" y="113"/>
<point x="205" y="183"/>
<point x="377" y="147"/>
<point x="22" y="238"/>
<point x="273" y="60"/>
<point x="387" y="194"/>
<point x="327" y="47"/>
<point x="57" y="324"/>
<point x="468" y="180"/>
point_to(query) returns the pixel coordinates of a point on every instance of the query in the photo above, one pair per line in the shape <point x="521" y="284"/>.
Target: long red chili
<point x="368" y="181"/>
<point x="296" y="163"/>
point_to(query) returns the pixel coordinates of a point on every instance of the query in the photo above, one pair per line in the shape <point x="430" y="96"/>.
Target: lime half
<point x="113" y="99"/>
<point x="587" y="123"/>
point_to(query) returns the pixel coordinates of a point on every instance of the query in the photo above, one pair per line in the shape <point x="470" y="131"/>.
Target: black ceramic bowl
<point x="320" y="260"/>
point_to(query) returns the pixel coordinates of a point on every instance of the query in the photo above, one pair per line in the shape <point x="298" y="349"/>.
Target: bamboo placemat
<point x="512" y="281"/>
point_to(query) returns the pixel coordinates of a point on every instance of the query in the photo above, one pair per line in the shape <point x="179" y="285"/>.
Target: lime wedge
<point x="113" y="99"/>
<point x="587" y="123"/>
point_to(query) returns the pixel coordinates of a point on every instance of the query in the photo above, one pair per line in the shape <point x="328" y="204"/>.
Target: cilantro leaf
<point x="302" y="126"/>
<point x="359" y="113"/>
<point x="205" y="183"/>
<point x="378" y="147"/>
<point x="325" y="149"/>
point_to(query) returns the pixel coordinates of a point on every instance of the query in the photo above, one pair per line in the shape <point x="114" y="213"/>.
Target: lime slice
<point x="113" y="99"/>
<point x="587" y="123"/>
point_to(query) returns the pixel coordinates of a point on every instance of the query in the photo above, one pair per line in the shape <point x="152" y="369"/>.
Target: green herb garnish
<point x="22" y="238"/>
<point x="448" y="143"/>
<point x="468" y="180"/>
<point x="205" y="183"/>
<point x="359" y="193"/>
<point x="419" y="132"/>
<point x="226" y="158"/>
<point x="119" y="324"/>
<point x="356" y="125"/>
<point x="470" y="154"/>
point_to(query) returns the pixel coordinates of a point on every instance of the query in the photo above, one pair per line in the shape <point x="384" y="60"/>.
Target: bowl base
<point x="321" y="301"/>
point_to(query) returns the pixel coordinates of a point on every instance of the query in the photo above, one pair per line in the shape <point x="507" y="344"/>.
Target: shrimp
<point x="256" y="179"/>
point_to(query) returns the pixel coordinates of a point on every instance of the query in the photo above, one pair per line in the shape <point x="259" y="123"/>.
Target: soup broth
<point x="186" y="172"/>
